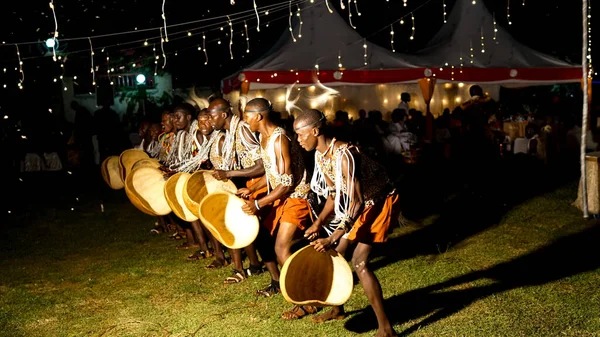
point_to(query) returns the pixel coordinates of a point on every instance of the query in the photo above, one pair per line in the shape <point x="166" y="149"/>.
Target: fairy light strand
<point x="92" y="62"/>
<point x="508" y="12"/>
<point x="21" y="73"/>
<point x="482" y="41"/>
<point x="247" y="37"/>
<point x="405" y="3"/>
<point x="412" y="33"/>
<point x="365" y="47"/>
<point x="55" y="30"/>
<point x="204" y="48"/>
<point x="164" y="17"/>
<point x="230" y="37"/>
<point x="299" y="18"/>
<point x="350" y="14"/>
<point x="257" y="17"/>
<point x="471" y="51"/>
<point x="444" y="10"/>
<point x="108" y="67"/>
<point x="162" y="48"/>
<point x="495" y="27"/>
<point x="155" y="60"/>
<point x="340" y="65"/>
<point x="356" y="8"/>
<point x="342" y="6"/>
<point x="392" y="38"/>
<point x="328" y="8"/>
<point x="290" y="22"/>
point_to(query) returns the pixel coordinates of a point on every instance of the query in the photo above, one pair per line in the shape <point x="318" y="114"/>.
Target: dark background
<point x="553" y="27"/>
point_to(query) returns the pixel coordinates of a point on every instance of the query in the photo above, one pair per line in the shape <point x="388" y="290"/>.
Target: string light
<point x="22" y="77"/>
<point x="257" y="17"/>
<point x="247" y="37"/>
<point x="230" y="37"/>
<point x="350" y="15"/>
<point x="108" y="67"/>
<point x="317" y="67"/>
<point x="482" y="41"/>
<point x="155" y="60"/>
<point x="55" y="30"/>
<point x="290" y="22"/>
<point x="164" y="17"/>
<point x="523" y="3"/>
<point x="339" y="60"/>
<point x="204" y="48"/>
<point x="444" y="9"/>
<point x="412" y="33"/>
<point x="342" y="6"/>
<point x="328" y="8"/>
<point x="92" y="61"/>
<point x="508" y="12"/>
<point x="405" y="2"/>
<point x="356" y="8"/>
<point x="392" y="38"/>
<point x="365" y="47"/>
<point x="299" y="18"/>
<point x="471" y="50"/>
<point x="495" y="27"/>
<point x="474" y="2"/>
<point x="162" y="48"/>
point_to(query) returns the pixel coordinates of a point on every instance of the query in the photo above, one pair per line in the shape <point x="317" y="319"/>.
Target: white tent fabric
<point x="325" y="36"/>
<point x="465" y="26"/>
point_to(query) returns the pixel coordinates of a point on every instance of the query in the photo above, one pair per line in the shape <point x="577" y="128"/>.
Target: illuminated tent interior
<point x="323" y="63"/>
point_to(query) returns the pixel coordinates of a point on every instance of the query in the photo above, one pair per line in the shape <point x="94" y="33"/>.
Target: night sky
<point x="550" y="26"/>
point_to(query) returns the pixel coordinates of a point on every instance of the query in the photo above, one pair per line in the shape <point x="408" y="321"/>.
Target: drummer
<point x="184" y="148"/>
<point x="204" y="136"/>
<point x="288" y="187"/>
<point x="165" y="143"/>
<point x="235" y="156"/>
<point x="363" y="200"/>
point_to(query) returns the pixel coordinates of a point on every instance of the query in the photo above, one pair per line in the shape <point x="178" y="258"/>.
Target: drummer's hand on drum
<point x="250" y="207"/>
<point x="321" y="245"/>
<point x="313" y="231"/>
<point x="244" y="193"/>
<point x="220" y="175"/>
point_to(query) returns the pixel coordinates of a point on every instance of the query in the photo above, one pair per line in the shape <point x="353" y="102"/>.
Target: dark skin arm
<point x="255" y="171"/>
<point x="246" y="192"/>
<point x="284" y="166"/>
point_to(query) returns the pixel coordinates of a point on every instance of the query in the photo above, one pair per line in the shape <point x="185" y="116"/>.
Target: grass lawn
<point x="526" y="269"/>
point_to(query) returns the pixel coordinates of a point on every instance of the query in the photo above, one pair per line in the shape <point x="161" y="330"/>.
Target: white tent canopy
<point x="328" y="41"/>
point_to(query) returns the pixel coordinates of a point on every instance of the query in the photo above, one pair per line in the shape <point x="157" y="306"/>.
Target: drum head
<point x="221" y="213"/>
<point x="328" y="274"/>
<point x="128" y="158"/>
<point x="199" y="185"/>
<point x="111" y="172"/>
<point x="174" y="194"/>
<point x="148" y="186"/>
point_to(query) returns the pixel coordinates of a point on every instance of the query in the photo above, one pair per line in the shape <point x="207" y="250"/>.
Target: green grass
<point x="534" y="272"/>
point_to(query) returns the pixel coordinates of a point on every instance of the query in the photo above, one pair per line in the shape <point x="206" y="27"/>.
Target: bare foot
<point x="331" y="314"/>
<point x="386" y="333"/>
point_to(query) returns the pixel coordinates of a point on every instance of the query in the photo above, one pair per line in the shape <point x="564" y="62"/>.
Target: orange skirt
<point x="291" y="210"/>
<point x="373" y="223"/>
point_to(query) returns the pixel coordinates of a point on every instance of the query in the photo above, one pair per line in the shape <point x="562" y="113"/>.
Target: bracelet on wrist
<point x="256" y="204"/>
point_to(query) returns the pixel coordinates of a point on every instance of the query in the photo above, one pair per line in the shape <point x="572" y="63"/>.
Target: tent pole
<point x="584" y="122"/>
